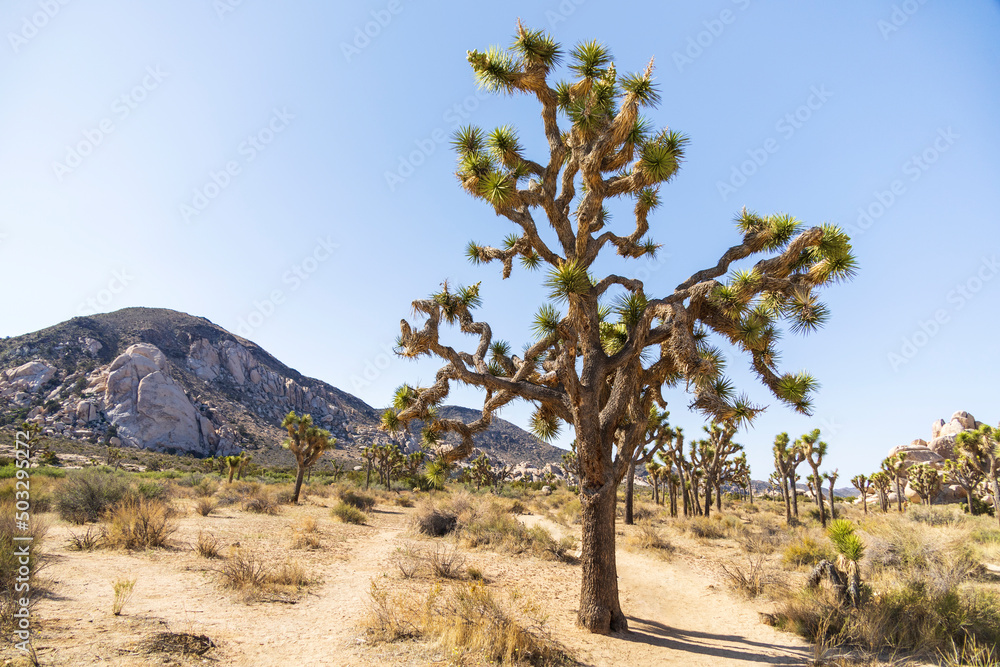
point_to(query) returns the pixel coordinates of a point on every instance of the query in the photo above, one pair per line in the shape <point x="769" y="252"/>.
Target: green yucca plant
<point x="851" y="549"/>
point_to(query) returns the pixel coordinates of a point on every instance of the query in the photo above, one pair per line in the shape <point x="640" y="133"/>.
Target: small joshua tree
<point x="233" y="464"/>
<point x="925" y="480"/>
<point x="307" y="443"/>
<point x="831" y="478"/>
<point x="846" y="576"/>
<point x="862" y="484"/>
<point x="961" y="471"/>
<point x="813" y="450"/>
<point x="881" y="481"/>
<point x="895" y="467"/>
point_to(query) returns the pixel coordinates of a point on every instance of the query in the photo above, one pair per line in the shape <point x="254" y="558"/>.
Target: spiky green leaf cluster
<point x="546" y="321"/>
<point x="544" y="425"/>
<point x="566" y="279"/>
<point x="841" y="533"/>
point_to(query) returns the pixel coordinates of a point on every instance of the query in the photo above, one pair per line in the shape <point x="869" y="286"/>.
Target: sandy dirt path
<point x="679" y="614"/>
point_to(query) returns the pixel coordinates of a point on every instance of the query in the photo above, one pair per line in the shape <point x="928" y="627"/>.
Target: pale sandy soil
<point x="680" y="611"/>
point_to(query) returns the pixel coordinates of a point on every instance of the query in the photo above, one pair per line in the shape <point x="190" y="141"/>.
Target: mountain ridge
<point x="212" y="392"/>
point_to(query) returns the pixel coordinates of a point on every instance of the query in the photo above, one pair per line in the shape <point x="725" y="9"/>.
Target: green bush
<point x="361" y="501"/>
<point x="806" y="551"/>
<point x="9" y="560"/>
<point x="87" y="494"/>
<point x="349" y="513"/>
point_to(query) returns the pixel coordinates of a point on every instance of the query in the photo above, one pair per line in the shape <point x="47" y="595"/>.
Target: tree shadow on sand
<point x="729" y="647"/>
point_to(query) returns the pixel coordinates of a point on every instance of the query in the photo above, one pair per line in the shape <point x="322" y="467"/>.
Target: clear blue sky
<point x="276" y="126"/>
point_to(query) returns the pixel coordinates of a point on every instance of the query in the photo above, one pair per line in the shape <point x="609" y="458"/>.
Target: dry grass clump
<point x="750" y="580"/>
<point x="306" y="534"/>
<point x="10" y="565"/>
<point x="480" y="522"/>
<point x="647" y="536"/>
<point x="402" y="501"/>
<point x="138" y="524"/>
<point x="246" y="572"/>
<point x="89" y="540"/>
<point x="208" y="545"/>
<point x="123" y="590"/>
<point x="349" y="513"/>
<point x="469" y="621"/>
<point x="206" y="506"/>
<point x="250" y="496"/>
<point x="715" y="527"/>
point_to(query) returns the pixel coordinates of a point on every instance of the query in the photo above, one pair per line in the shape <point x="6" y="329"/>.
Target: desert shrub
<point x="907" y="616"/>
<point x="10" y="560"/>
<point x="446" y="562"/>
<point x="569" y="512"/>
<point x="806" y="551"/>
<point x="349" y="513"/>
<point x="208" y="545"/>
<point x="289" y="573"/>
<point x="243" y="570"/>
<point x="87" y="494"/>
<point x="150" y="490"/>
<point x="493" y="527"/>
<point x="205" y="487"/>
<point x="306" y="541"/>
<point x="260" y="501"/>
<point x="403" y="501"/>
<point x="759" y="543"/>
<point x="408" y="560"/>
<point x="435" y="522"/>
<point x="749" y="580"/>
<point x="206" y="506"/>
<point x="468" y="620"/>
<point x="360" y="501"/>
<point x="246" y="572"/>
<point x="985" y="536"/>
<point x="89" y="540"/>
<point x="138" y="524"/>
<point x="934" y="516"/>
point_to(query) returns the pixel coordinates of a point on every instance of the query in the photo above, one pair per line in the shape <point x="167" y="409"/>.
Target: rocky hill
<point x="166" y="381"/>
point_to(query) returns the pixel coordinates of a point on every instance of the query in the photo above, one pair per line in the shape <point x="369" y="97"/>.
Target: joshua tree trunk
<point x="599" y="608"/>
<point x="708" y="498"/>
<point x="833" y="512"/>
<point x="818" y="488"/>
<point x="629" y="490"/>
<point x="298" y="484"/>
<point x="794" y="490"/>
<point x="718" y="498"/>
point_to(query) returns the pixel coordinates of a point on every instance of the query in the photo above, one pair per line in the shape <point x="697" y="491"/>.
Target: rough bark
<point x="298" y="483"/>
<point x="600" y="611"/>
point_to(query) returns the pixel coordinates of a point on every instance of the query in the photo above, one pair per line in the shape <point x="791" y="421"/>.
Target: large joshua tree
<point x="605" y="347"/>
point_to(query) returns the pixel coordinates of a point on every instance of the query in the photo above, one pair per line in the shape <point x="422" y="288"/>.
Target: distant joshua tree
<point x="895" y="467"/>
<point x="881" y="481"/>
<point x="983" y="451"/>
<point x="862" y="484"/>
<point x="831" y="478"/>
<point x="306" y="442"/>
<point x="925" y="480"/>
<point x="961" y="471"/>
<point x="814" y="449"/>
